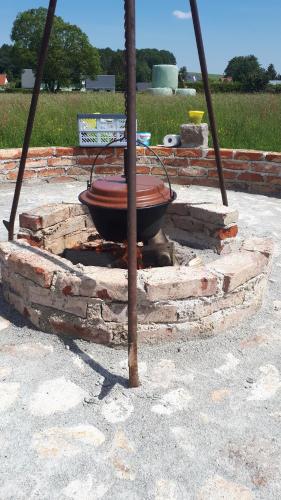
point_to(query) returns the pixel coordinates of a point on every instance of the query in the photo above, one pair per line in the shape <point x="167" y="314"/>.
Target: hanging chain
<point x="126" y="62"/>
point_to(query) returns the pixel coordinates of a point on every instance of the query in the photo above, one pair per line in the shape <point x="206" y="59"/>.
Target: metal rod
<point x="204" y="71"/>
<point x="130" y="29"/>
<point x="32" y="111"/>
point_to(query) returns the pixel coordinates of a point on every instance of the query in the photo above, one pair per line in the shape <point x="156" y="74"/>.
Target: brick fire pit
<point x="177" y="302"/>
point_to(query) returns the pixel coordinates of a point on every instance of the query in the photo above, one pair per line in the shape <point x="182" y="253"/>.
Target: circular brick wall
<point x="177" y="302"/>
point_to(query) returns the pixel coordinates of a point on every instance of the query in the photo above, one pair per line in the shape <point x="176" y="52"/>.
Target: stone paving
<point x="204" y="425"/>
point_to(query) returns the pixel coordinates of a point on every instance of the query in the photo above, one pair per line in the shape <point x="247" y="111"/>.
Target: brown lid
<point x="111" y="192"/>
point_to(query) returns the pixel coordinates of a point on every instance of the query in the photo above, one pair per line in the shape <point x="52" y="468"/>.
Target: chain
<point x="126" y="66"/>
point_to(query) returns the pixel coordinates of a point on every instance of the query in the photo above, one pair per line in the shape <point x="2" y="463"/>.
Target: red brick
<point x="273" y="157"/>
<point x="36" y="164"/>
<point x="249" y="177"/>
<point x="273" y="180"/>
<point x="9" y="165"/>
<point x="30" y="221"/>
<point x="48" y="172"/>
<point x="86" y="160"/>
<point x="33" y="267"/>
<point x="176" y="162"/>
<point x="40" y="152"/>
<point x="236" y="165"/>
<point x="58" y="180"/>
<point x="266" y="167"/>
<point x="28" y="174"/>
<point x="160" y="151"/>
<point x="226" y="173"/>
<point x="67" y="151"/>
<point x="60" y="162"/>
<point x="108" y="170"/>
<point x="225" y="153"/>
<point x="248" y="155"/>
<point x="193" y="171"/>
<point x="10" y="154"/>
<point x="161" y="171"/>
<point x="79" y="170"/>
<point x="142" y="169"/>
<point x="189" y="153"/>
<point x="230" y="232"/>
<point x="207" y="163"/>
<point x="203" y="181"/>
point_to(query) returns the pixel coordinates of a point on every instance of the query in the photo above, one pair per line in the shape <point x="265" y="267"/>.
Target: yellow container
<point x="196" y="116"/>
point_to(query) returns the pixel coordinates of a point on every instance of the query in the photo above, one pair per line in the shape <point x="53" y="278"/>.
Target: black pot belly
<point x="111" y="223"/>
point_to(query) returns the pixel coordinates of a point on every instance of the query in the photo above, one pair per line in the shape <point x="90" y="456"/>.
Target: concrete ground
<point x="204" y="425"/>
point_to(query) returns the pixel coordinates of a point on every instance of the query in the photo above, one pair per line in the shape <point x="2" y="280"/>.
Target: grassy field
<point x="244" y="121"/>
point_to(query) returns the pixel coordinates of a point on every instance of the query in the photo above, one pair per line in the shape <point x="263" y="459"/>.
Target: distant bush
<point x="217" y="87"/>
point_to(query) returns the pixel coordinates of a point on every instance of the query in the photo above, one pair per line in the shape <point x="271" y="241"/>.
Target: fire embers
<point x="155" y="253"/>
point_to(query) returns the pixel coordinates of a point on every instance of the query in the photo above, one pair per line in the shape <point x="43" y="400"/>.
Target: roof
<point x="102" y="82"/>
<point x="3" y="79"/>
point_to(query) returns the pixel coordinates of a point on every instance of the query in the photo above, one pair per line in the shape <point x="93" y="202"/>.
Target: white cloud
<point x="179" y="14"/>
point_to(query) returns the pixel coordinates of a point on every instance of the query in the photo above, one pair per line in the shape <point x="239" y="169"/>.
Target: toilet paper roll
<point x="172" y="140"/>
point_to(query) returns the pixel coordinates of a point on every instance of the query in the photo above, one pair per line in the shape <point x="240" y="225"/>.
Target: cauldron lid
<point x="111" y="192"/>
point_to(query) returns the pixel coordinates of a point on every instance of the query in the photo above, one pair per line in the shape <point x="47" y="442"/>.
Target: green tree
<point x="182" y="76"/>
<point x="7" y="62"/>
<point x="71" y="57"/>
<point x="271" y="72"/>
<point x="247" y="71"/>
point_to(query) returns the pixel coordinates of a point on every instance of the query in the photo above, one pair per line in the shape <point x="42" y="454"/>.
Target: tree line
<point x="71" y="56"/>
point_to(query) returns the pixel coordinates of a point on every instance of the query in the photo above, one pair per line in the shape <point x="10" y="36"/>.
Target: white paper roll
<point x="172" y="140"/>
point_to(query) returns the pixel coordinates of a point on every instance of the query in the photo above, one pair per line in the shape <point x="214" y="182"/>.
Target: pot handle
<point x="161" y="163"/>
<point x="89" y="183"/>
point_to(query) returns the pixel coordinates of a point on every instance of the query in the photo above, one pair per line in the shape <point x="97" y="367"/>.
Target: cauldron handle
<point x="162" y="164"/>
<point x="89" y="183"/>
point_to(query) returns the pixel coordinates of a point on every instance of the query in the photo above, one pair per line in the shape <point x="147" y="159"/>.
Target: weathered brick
<point x="262" y="245"/>
<point x="108" y="170"/>
<point x="239" y="267"/>
<point x="251" y="177"/>
<point x="48" y="298"/>
<point x="195" y="309"/>
<point x="28" y="174"/>
<point x="68" y="226"/>
<point x="248" y="154"/>
<point x="203" y="162"/>
<point x="178" y="283"/>
<point x="10" y="154"/>
<point x="266" y="167"/>
<point x="193" y="171"/>
<point x="225" y="153"/>
<point x="151" y="313"/>
<point x="276" y="157"/>
<point x="45" y="216"/>
<point x="61" y="162"/>
<point x="36" y="163"/>
<point x="189" y="152"/>
<point x="40" y="152"/>
<point x="226" y="173"/>
<point x="32" y="264"/>
<point x="214" y="213"/>
<point x="49" y="172"/>
<point x="67" y="327"/>
<point x="143" y="169"/>
<point x="160" y="171"/>
<point x="236" y="165"/>
<point x="228" y="232"/>
<point x="10" y="165"/>
<point x="66" y="151"/>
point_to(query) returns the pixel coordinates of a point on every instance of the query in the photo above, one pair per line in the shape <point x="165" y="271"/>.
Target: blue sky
<point x="230" y="27"/>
